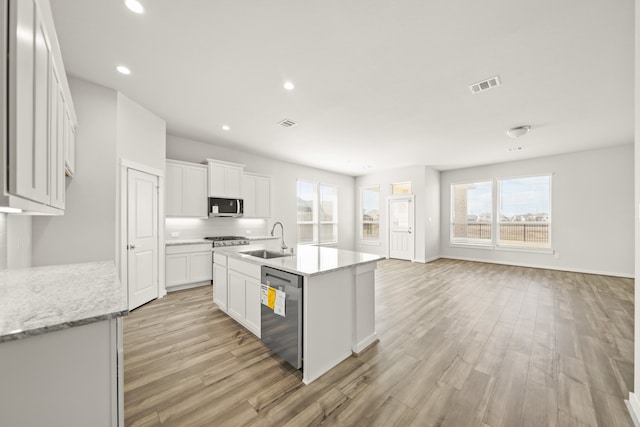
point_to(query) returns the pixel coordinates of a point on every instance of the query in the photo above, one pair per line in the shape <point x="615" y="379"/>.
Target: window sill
<point x="370" y="242"/>
<point x="523" y="249"/>
<point x="472" y="245"/>
<point x="502" y="248"/>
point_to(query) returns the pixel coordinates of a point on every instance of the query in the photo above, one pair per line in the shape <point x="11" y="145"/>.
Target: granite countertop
<point x="307" y="261"/>
<point x="38" y="300"/>
<point x="269" y="237"/>
<point x="185" y="242"/>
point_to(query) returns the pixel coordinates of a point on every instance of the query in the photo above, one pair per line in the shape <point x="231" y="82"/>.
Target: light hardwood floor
<point x="461" y="344"/>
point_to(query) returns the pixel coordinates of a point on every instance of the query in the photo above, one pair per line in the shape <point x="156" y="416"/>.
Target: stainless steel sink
<point x="265" y="254"/>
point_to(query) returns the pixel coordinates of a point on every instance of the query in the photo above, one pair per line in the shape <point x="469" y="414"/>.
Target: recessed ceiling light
<point x="225" y="127"/>
<point x="288" y="86"/>
<point x="134" y="6"/>
<point x="123" y="70"/>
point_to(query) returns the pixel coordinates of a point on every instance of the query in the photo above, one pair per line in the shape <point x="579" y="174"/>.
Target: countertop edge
<point x="61" y="326"/>
<point x="259" y="261"/>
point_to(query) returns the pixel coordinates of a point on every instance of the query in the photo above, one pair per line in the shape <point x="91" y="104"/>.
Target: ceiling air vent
<point x="287" y="123"/>
<point x="485" y="85"/>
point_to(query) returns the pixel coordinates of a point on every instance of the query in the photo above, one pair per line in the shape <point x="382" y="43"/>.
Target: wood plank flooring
<point x="461" y="344"/>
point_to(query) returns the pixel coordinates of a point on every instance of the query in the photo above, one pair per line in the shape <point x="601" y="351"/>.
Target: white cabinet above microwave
<point x="225" y="179"/>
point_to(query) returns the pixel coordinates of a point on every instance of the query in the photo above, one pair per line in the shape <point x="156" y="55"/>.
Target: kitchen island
<point x="338" y="299"/>
<point x="61" y="345"/>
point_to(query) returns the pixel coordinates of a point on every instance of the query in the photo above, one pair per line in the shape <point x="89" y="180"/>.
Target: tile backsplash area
<point x="197" y="228"/>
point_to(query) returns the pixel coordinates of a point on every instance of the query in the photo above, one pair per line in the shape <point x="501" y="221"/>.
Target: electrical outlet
<point x="175" y="234"/>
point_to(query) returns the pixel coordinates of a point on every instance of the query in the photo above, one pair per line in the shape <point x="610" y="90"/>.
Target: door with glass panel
<point x="401" y="227"/>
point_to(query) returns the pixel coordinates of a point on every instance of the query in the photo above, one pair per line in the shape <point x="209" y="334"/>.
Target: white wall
<point x="18" y="241"/>
<point x="432" y="214"/>
<point x="425" y="187"/>
<point x="141" y="135"/>
<point x="283" y="191"/>
<point x="592" y="211"/>
<point x="87" y="230"/>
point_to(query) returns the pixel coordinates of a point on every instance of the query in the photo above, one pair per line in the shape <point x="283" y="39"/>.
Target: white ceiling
<point x="378" y="82"/>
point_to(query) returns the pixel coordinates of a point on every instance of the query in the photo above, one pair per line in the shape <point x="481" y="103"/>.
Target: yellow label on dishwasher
<point x="271" y="298"/>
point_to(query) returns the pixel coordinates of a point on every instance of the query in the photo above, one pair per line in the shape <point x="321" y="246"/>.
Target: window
<point x="520" y="216"/>
<point x="370" y="204"/>
<point x="401" y="188"/>
<point x="471" y="213"/>
<point x="524" y="212"/>
<point x="328" y="214"/>
<point x="307" y="229"/>
<point x="317" y="213"/>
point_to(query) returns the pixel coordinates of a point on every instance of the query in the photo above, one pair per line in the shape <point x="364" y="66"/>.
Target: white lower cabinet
<point x="187" y="265"/>
<point x="242" y="292"/>
<point x="220" y="281"/>
<point x="237" y="295"/>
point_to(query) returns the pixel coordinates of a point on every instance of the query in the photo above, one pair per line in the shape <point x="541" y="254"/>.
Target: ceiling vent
<point x="287" y="123"/>
<point x="485" y="85"/>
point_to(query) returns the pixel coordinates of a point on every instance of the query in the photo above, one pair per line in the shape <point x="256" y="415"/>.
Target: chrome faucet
<point x="283" y="246"/>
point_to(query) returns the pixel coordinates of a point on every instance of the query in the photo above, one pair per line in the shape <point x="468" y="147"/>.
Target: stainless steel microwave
<point x="225" y="207"/>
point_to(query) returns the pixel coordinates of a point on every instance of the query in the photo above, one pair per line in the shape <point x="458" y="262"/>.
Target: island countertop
<point x="307" y="261"/>
<point x="38" y="300"/>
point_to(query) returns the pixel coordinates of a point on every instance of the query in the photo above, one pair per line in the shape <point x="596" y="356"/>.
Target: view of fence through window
<point x="370" y="202"/>
<point x="307" y="228"/>
<point x="523" y="212"/>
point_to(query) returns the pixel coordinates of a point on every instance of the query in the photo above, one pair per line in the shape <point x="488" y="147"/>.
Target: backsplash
<point x="196" y="228"/>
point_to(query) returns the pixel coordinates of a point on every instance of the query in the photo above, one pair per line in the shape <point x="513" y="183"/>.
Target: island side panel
<point x="60" y="378"/>
<point x="364" y="304"/>
<point x="327" y="322"/>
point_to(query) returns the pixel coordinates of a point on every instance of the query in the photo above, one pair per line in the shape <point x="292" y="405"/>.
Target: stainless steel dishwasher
<point x="283" y="334"/>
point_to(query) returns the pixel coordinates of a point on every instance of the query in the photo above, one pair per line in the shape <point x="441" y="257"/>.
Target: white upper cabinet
<point x="186" y="189"/>
<point x="225" y="179"/>
<point x="256" y="192"/>
<point x="37" y="113"/>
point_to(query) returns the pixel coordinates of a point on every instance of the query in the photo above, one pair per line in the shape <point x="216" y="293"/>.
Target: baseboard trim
<point x="365" y="344"/>
<point x="633" y="405"/>
<point x="544" y="267"/>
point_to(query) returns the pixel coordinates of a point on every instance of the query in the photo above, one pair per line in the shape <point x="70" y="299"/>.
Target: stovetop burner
<point x="219" y="238"/>
<point x="228" y="240"/>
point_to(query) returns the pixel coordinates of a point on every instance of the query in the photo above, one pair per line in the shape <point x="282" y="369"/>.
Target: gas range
<point x="228" y="240"/>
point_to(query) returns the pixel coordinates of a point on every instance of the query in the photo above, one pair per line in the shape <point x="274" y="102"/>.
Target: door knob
<point x="131" y="246"/>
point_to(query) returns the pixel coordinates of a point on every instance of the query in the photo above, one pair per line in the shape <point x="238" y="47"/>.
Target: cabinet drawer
<point x="184" y="249"/>
<point x="246" y="268"/>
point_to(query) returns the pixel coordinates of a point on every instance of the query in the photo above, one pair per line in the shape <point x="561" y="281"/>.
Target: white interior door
<point x="142" y="237"/>
<point x="401" y="226"/>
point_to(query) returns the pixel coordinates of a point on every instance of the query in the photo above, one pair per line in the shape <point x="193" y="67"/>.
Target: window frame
<point x="363" y="222"/>
<point x="317" y="221"/>
<point x="334" y="222"/>
<point x="549" y="247"/>
<point x="494" y="243"/>
<point x="457" y="241"/>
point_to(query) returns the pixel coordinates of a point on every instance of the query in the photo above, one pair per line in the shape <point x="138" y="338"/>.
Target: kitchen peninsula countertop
<point x="307" y="261"/>
<point x="38" y="300"/>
